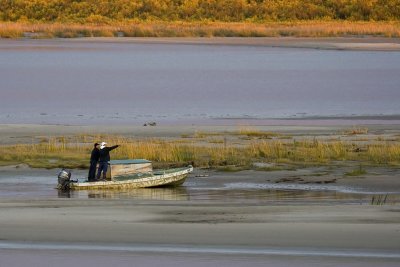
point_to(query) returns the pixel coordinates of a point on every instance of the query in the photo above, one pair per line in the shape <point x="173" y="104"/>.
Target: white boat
<point x="129" y="174"/>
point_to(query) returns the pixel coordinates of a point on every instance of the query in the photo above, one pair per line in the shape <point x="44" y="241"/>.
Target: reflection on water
<point x="263" y="196"/>
<point x="237" y="196"/>
<point x="167" y="193"/>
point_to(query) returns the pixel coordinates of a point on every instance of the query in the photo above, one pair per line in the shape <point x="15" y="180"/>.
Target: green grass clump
<point x="379" y="200"/>
<point x="255" y="133"/>
<point x="356" y="172"/>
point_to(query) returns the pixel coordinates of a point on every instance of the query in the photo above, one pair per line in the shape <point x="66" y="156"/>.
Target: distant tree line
<point x="107" y="11"/>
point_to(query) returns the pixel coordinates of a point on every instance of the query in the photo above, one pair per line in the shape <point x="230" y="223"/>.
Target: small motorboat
<point x="128" y="174"/>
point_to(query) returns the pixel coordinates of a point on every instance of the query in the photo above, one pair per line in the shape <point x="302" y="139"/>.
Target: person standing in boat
<point x="94" y="158"/>
<point x="104" y="158"/>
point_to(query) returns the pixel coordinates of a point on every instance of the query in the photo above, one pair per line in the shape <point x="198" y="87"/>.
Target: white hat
<point x="103" y="145"/>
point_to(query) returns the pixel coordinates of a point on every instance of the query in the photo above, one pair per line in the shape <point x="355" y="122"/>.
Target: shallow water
<point x="164" y="249"/>
<point x="40" y="184"/>
<point x="75" y="82"/>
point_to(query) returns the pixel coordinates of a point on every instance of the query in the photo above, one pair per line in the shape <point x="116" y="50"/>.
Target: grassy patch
<point x="255" y="133"/>
<point x="356" y="172"/>
<point x="270" y="169"/>
<point x="356" y="131"/>
<point x="216" y="141"/>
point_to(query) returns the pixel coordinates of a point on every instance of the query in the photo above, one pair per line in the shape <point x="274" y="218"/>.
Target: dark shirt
<point x="95" y="155"/>
<point x="105" y="153"/>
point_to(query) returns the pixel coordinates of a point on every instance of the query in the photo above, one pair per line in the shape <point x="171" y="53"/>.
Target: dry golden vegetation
<point x="74" y="151"/>
<point x="106" y="11"/>
<point x="200" y="29"/>
<point x="356" y="131"/>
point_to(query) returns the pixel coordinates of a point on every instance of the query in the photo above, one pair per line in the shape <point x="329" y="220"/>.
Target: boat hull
<point x="174" y="178"/>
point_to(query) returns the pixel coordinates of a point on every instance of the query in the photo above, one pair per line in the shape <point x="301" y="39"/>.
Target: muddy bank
<point x="310" y="128"/>
<point x="324" y="43"/>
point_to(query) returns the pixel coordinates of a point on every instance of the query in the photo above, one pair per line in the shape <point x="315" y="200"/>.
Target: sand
<point x="211" y="224"/>
<point x="173" y="231"/>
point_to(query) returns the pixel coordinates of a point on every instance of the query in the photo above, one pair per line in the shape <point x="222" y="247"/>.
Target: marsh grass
<point x="383" y="153"/>
<point x="74" y="152"/>
<point x="310" y="28"/>
<point x="304" y="151"/>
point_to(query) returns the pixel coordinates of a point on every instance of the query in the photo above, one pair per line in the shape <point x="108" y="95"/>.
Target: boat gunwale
<point x="110" y="184"/>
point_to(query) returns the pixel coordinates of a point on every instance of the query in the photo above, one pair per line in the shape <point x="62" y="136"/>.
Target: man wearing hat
<point x="104" y="158"/>
<point x="94" y="158"/>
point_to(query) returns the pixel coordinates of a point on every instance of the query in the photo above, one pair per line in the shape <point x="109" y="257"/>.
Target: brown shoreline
<point x="325" y="43"/>
<point x="25" y="133"/>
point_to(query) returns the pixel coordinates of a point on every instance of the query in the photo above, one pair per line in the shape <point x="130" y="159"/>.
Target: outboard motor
<point x="64" y="179"/>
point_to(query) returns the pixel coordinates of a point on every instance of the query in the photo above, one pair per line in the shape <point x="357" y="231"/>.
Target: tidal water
<point x="102" y="82"/>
